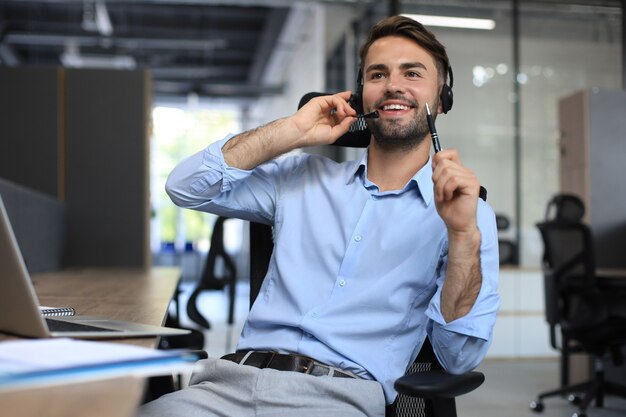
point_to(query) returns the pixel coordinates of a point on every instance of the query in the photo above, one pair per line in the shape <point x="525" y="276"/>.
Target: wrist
<point x="293" y="135"/>
<point x="470" y="237"/>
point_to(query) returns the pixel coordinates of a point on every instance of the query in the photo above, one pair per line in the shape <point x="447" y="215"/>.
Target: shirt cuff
<point x="477" y="323"/>
<point x="214" y="160"/>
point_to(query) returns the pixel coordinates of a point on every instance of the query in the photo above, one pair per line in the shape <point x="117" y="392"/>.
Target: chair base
<point x="591" y="390"/>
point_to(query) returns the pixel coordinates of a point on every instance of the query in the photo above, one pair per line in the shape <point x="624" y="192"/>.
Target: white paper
<point x="59" y="360"/>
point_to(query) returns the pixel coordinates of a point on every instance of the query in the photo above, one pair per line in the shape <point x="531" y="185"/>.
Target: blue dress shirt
<point x="356" y="274"/>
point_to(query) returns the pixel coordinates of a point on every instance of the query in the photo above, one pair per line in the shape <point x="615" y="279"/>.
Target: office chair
<point x="507" y="248"/>
<point x="219" y="272"/>
<point x="576" y="309"/>
<point x="212" y="278"/>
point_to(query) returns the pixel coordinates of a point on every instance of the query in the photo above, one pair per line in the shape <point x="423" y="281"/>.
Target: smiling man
<point x="370" y="257"/>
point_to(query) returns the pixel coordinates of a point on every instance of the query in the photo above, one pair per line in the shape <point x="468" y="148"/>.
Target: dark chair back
<point x="507" y="248"/>
<point x="565" y="207"/>
<point x="568" y="263"/>
<point x="568" y="269"/>
<point x="214" y="278"/>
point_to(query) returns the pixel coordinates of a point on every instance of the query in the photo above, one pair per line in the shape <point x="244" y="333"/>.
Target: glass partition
<point x="562" y="48"/>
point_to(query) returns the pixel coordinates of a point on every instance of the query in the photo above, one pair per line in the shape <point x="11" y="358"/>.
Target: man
<point x="371" y="256"/>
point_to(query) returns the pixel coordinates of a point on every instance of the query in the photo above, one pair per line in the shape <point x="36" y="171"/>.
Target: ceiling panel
<point x="218" y="50"/>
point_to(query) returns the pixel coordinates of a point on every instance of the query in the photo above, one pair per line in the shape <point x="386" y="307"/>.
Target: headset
<point x="356" y="100"/>
<point x="358" y="135"/>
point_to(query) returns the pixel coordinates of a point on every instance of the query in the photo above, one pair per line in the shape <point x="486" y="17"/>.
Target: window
<point x="177" y="133"/>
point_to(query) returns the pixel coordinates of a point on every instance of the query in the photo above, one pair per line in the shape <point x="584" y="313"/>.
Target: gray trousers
<point x="226" y="389"/>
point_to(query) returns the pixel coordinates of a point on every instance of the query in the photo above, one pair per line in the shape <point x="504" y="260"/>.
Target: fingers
<point x="339" y="112"/>
<point x="338" y="105"/>
<point x="325" y="118"/>
<point x="452" y="179"/>
<point x="449" y="154"/>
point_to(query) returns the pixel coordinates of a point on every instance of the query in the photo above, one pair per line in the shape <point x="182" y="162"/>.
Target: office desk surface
<point x="122" y="294"/>
<point x="117" y="397"/>
<point x="610" y="278"/>
<point x="135" y="295"/>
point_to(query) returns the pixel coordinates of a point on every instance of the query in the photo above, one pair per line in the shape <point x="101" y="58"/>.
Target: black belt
<point x="286" y="362"/>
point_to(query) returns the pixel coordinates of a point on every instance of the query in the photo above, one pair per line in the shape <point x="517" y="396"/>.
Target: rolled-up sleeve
<point x="461" y="345"/>
<point x="202" y="176"/>
<point x="205" y="182"/>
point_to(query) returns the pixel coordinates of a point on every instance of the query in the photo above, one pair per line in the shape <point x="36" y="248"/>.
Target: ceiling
<point x="216" y="48"/>
<point x="190" y="47"/>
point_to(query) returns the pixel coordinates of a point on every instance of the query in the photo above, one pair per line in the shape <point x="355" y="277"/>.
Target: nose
<point x="395" y="84"/>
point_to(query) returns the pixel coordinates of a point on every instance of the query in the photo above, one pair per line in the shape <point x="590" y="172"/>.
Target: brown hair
<point x="412" y="30"/>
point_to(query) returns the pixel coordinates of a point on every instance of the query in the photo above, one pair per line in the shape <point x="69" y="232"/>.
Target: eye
<point x="377" y="76"/>
<point x="413" y="74"/>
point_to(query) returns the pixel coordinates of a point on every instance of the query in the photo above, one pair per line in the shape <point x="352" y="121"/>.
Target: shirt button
<point x="358" y="238"/>
<point x="342" y="282"/>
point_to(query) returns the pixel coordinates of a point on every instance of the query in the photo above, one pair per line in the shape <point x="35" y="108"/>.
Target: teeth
<point x="395" y="107"/>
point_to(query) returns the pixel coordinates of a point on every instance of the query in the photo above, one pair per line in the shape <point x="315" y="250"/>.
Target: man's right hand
<point x="319" y="122"/>
<point x="324" y="119"/>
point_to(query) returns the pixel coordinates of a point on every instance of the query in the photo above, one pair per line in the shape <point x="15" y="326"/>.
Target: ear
<point x="440" y="101"/>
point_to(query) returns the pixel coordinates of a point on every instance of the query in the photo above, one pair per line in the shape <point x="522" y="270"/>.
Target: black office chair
<point x="575" y="307"/>
<point x="219" y="272"/>
<point x="507" y="248"/>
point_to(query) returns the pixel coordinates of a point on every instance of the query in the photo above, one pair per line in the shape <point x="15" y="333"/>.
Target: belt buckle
<point x="309" y="364"/>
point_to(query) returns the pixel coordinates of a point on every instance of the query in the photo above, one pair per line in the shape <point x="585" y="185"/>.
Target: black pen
<point x="370" y="115"/>
<point x="433" y="131"/>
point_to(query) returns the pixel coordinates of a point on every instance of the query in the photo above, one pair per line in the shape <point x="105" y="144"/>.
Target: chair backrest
<point x="210" y="279"/>
<point x="568" y="259"/>
<point x="507" y="248"/>
<point x="565" y="207"/>
<point x="567" y="263"/>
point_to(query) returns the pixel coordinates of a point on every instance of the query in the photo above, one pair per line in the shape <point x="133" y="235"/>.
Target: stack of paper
<point x="54" y="361"/>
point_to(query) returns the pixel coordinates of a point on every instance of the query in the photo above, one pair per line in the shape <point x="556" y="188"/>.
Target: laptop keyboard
<point x="67" y="326"/>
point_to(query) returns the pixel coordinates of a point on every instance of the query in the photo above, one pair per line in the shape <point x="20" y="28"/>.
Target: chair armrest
<point x="438" y="384"/>
<point x="201" y="354"/>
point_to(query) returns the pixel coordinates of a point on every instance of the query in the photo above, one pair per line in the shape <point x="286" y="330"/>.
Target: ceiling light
<point x="96" y="18"/>
<point x="453" y="22"/>
<point x="73" y="60"/>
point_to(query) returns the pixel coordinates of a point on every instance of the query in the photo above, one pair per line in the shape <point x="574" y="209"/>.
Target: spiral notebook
<point x="56" y="311"/>
<point x="19" y="305"/>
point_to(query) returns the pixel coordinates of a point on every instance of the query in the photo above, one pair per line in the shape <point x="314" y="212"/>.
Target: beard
<point x="396" y="134"/>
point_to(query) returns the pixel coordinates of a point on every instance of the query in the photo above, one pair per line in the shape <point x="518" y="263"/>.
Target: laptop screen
<point x="19" y="306"/>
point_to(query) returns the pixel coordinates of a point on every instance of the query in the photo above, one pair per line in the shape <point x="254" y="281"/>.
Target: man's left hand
<point x="456" y="192"/>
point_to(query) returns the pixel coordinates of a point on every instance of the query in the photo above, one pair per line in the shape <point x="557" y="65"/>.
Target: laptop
<point x="19" y="306"/>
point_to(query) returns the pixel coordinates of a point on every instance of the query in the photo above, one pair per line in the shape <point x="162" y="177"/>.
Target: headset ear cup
<point x="356" y="100"/>
<point x="446" y="98"/>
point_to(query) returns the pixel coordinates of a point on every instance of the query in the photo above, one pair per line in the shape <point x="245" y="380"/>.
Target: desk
<point x="611" y="279"/>
<point x="121" y="294"/>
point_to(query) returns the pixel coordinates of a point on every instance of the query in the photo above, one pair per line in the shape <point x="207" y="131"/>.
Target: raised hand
<point x="324" y="119"/>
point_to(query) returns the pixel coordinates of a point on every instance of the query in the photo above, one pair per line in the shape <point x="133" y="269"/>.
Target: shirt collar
<point x="422" y="180"/>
